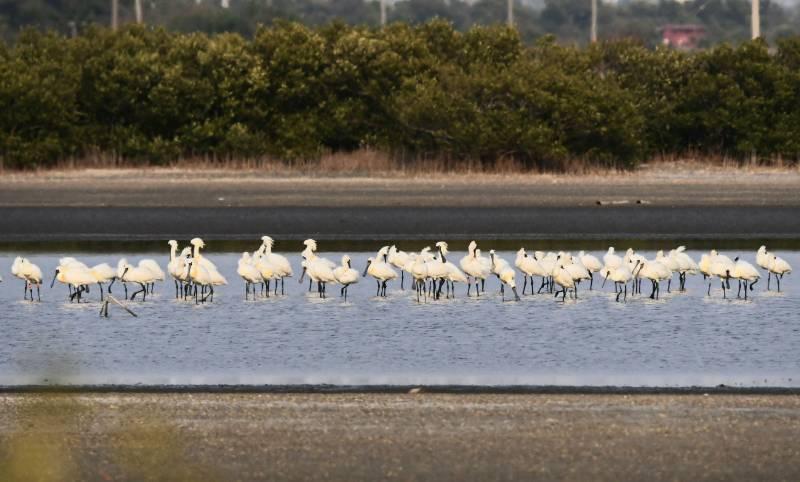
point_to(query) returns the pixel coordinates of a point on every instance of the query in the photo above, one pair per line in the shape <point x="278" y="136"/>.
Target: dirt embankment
<point x="405" y="437"/>
<point x="163" y="203"/>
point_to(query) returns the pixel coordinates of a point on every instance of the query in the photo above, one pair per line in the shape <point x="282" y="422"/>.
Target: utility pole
<point x="755" y="19"/>
<point x="383" y="13"/>
<point x="114" y="14"/>
<point x="593" y="31"/>
<point x="137" y="4"/>
<point x="511" y="13"/>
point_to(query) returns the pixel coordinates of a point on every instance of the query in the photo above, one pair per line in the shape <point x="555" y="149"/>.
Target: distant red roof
<point x="683" y="36"/>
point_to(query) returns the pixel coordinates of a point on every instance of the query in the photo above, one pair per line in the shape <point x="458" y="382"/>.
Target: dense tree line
<point x="428" y="91"/>
<point x="567" y="20"/>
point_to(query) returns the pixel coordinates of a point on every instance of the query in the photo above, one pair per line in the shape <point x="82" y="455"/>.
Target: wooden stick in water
<point x="123" y="306"/>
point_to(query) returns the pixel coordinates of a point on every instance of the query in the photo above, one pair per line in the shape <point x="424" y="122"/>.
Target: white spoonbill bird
<point x="529" y="267"/>
<point x="266" y="270"/>
<point x="670" y="263"/>
<point x="575" y="268"/>
<point x="592" y="264"/>
<point x="654" y="271"/>
<point x="548" y="263"/>
<point x="127" y="273"/>
<point x="345" y="275"/>
<point x="103" y="273"/>
<point x="216" y="278"/>
<point x="686" y="265"/>
<point x="720" y="266"/>
<point x="381" y="270"/>
<point x="505" y="273"/>
<point x="611" y="261"/>
<point x="473" y="267"/>
<point x="564" y="279"/>
<point x="249" y="273"/>
<point x="200" y="276"/>
<point x="438" y="270"/>
<point x="23" y="269"/>
<point x="398" y="259"/>
<point x="419" y="272"/>
<point x="281" y="266"/>
<point x="454" y="275"/>
<point x="318" y="269"/>
<point x="153" y="267"/>
<point x="763" y="258"/>
<point x="745" y="273"/>
<point x="309" y="254"/>
<point x="779" y="267"/>
<point x="76" y="277"/>
<point x="177" y="267"/>
<point x="620" y="275"/>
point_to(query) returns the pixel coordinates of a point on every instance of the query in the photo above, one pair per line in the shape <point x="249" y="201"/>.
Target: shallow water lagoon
<point x="682" y="339"/>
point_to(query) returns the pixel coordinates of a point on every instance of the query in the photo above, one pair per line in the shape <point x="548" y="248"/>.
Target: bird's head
<point x="58" y="270"/>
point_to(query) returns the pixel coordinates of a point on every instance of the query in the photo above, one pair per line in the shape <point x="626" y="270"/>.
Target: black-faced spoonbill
<point x="620" y="274"/>
<point x="474" y="267"/>
<point x="654" y="271"/>
<point x="745" y="273"/>
<point x="686" y="265"/>
<point x="177" y="266"/>
<point x="345" y="275"/>
<point x="30" y="274"/>
<point x="779" y="267"/>
<point x="128" y="273"/>
<point x="505" y="273"/>
<point x="281" y="267"/>
<point x="75" y="276"/>
<point x="381" y="270"/>
<point x="398" y="259"/>
<point x="249" y="273"/>
<point x="103" y="273"/>
<point x="216" y="279"/>
<point x="592" y="264"/>
<point x="562" y="278"/>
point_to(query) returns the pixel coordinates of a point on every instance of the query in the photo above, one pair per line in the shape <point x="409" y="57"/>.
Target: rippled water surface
<point x="682" y="339"/>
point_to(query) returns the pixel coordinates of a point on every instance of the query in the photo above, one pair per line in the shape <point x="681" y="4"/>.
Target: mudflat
<point x="157" y="204"/>
<point x="369" y="436"/>
<point x="661" y="186"/>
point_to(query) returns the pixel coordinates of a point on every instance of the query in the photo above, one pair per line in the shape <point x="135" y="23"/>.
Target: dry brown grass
<point x="374" y="163"/>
